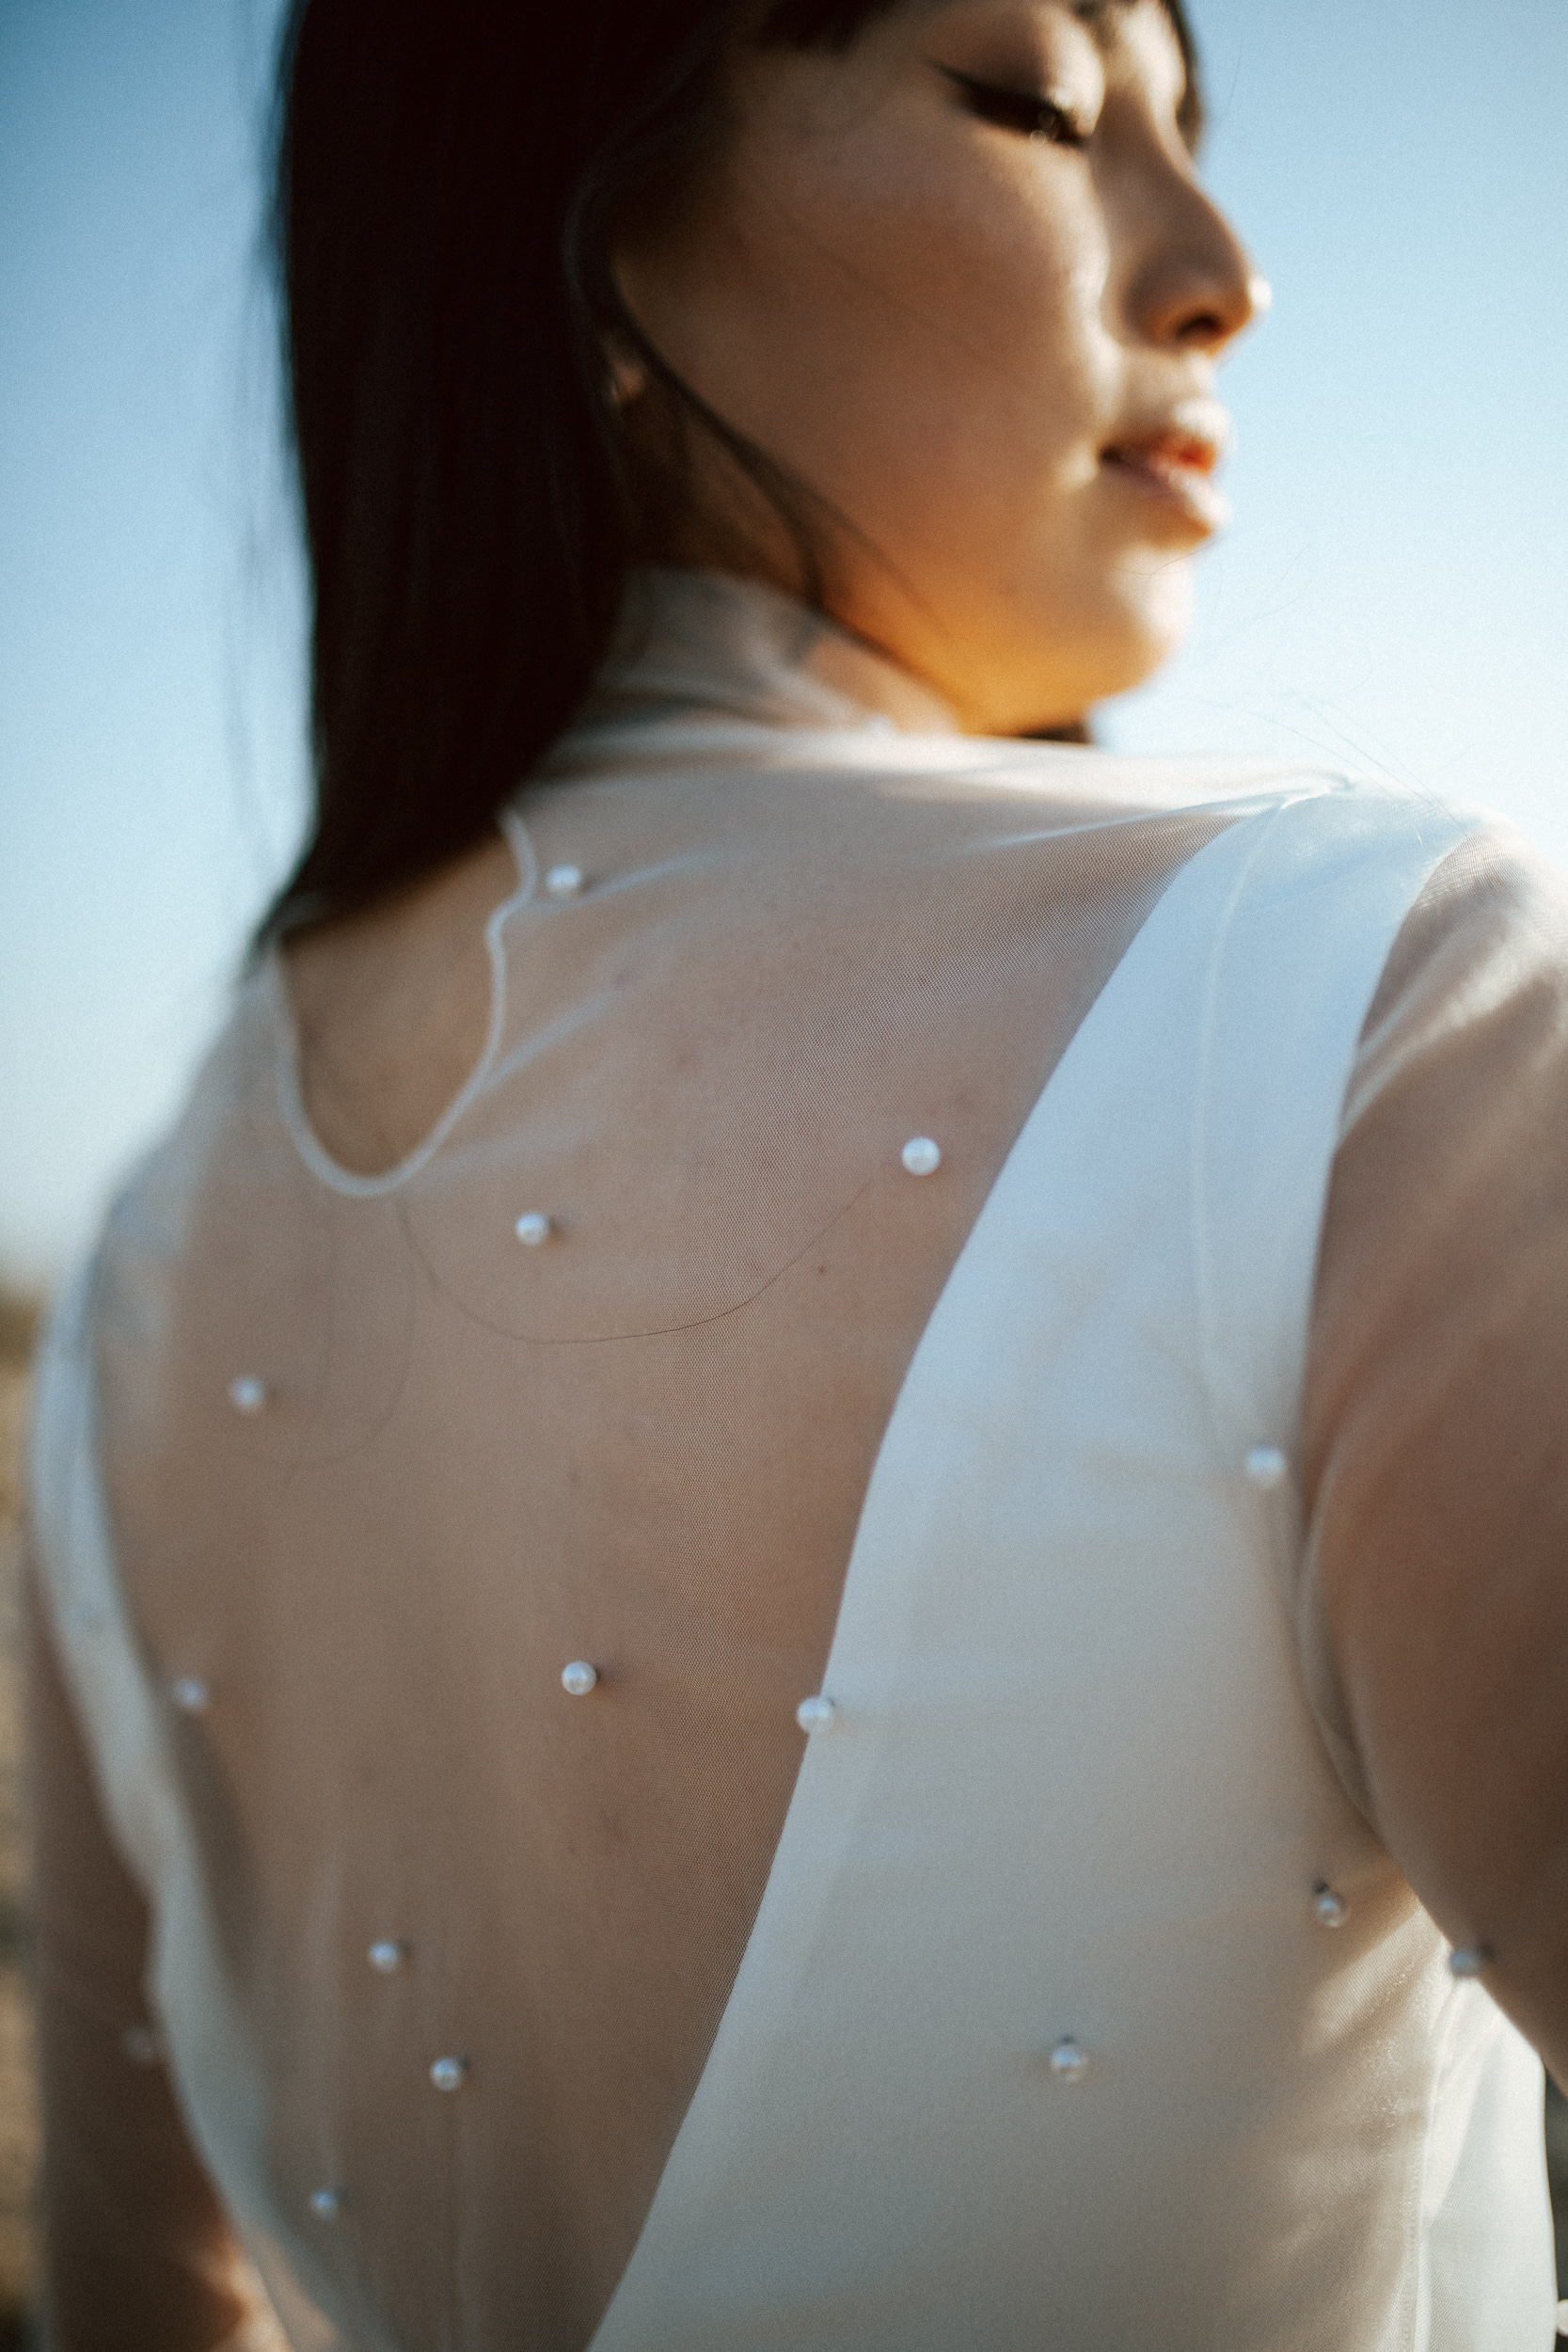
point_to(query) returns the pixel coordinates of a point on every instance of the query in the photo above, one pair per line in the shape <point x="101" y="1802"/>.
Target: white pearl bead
<point x="1332" y="1909"/>
<point x="533" y="1228"/>
<point x="921" y="1155"/>
<point x="1068" y="2063"/>
<point x="449" y="2073"/>
<point x="387" y="1957"/>
<point x="816" y="1715"/>
<point x="190" y="1695"/>
<point x="1468" y="1961"/>
<point x="565" y="881"/>
<point x="326" y="2203"/>
<point x="1267" y="1468"/>
<point x="578" y="1678"/>
<point x="247" y="1394"/>
<point x="141" y="2045"/>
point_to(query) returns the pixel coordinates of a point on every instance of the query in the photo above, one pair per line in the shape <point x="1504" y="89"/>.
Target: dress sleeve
<point x="139" y="2257"/>
<point x="1433" y="1606"/>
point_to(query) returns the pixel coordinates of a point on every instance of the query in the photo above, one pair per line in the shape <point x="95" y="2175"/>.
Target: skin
<point x="940" y="312"/>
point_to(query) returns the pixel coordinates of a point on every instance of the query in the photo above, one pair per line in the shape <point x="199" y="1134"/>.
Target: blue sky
<point x="1394" y="592"/>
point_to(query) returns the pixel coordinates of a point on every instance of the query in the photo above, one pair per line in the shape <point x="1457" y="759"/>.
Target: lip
<point x="1174" y="459"/>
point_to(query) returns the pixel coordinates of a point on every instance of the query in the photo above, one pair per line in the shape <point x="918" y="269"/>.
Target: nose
<point x="1199" y="287"/>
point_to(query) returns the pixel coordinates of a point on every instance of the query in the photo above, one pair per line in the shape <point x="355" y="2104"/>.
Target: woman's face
<point x="961" y="281"/>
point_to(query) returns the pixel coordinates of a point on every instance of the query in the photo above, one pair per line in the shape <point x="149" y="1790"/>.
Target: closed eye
<point x="1017" y="110"/>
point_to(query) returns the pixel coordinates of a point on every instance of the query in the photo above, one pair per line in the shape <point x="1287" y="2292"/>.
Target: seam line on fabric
<point x="291" y="1098"/>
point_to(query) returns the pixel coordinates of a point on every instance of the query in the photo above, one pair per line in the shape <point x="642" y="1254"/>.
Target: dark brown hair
<point x="448" y="179"/>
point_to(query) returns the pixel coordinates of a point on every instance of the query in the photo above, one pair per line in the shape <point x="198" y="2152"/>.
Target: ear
<point x="628" y="377"/>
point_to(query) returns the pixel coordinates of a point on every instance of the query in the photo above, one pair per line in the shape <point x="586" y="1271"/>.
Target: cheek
<point x="871" y="322"/>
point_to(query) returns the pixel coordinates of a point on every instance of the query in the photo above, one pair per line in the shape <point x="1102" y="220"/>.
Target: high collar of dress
<point x="693" y="643"/>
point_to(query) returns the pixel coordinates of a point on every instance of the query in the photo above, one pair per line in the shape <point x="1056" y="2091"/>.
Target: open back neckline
<point x="287" y="1061"/>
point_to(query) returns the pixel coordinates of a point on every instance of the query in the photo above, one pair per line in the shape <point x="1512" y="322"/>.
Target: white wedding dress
<point x="1054" y="1987"/>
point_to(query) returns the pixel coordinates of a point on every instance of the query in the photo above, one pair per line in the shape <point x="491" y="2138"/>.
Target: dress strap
<point x="1318" y="890"/>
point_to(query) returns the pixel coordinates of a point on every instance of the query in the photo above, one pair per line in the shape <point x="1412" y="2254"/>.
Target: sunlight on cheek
<point x="1087" y="281"/>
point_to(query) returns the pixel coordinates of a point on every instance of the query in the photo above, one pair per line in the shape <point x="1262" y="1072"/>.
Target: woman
<point x="794" y="1564"/>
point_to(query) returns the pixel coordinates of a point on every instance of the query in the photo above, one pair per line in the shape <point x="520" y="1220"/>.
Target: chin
<point x="1036" y="657"/>
<point x="1148" y="617"/>
<point x="1084" y="641"/>
<point x="1118" y="639"/>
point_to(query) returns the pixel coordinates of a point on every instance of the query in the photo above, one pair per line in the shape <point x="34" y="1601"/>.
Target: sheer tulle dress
<point x="434" y="1559"/>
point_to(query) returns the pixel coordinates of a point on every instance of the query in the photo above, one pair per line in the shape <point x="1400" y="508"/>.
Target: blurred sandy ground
<point x="17" y="2098"/>
<point x="18" y="2103"/>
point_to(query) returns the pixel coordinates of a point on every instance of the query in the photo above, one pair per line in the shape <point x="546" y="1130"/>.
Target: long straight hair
<point x="448" y="181"/>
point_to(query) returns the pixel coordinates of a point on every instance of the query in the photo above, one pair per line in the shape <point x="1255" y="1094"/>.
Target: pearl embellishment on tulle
<point x="1068" y="2063"/>
<point x="533" y="1228"/>
<point x="247" y="1394"/>
<point x="816" y="1715"/>
<point x="449" y="2073"/>
<point x="1267" y="1468"/>
<point x="189" y="1694"/>
<point x="326" y="2203"/>
<point x="921" y="1155"/>
<point x="565" y="881"/>
<point x="1332" y="1909"/>
<point x="387" y="1957"/>
<point x="578" y="1678"/>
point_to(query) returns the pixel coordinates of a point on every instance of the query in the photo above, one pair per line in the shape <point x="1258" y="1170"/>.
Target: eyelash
<point x="1016" y="110"/>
